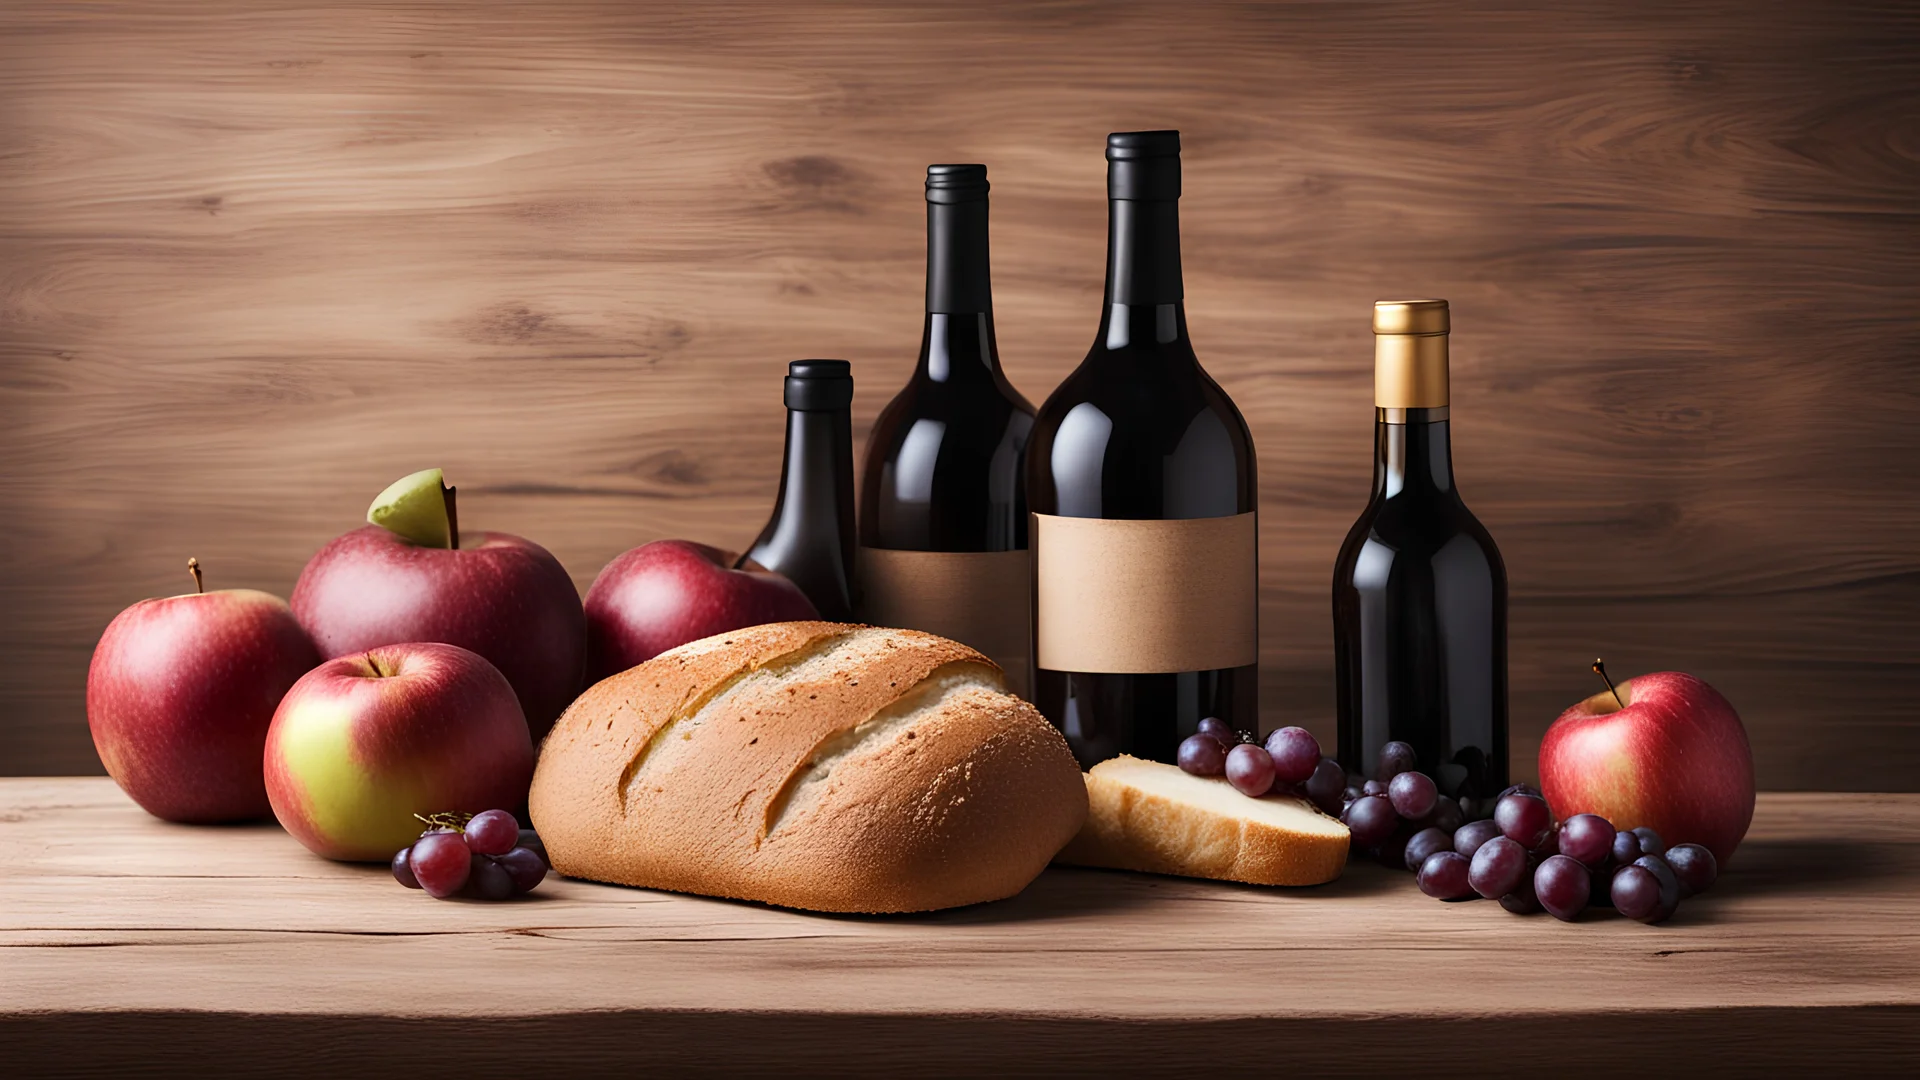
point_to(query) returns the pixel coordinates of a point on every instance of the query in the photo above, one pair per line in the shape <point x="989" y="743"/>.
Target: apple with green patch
<point x="363" y="743"/>
<point x="410" y="575"/>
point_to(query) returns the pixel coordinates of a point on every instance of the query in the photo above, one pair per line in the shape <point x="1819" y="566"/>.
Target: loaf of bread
<point x="1146" y="815"/>
<point x="810" y="765"/>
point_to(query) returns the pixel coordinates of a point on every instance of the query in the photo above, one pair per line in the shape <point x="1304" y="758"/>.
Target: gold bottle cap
<point x="1410" y="317"/>
<point x="1410" y="354"/>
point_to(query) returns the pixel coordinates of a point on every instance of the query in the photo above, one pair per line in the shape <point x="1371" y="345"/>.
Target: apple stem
<point x="450" y="820"/>
<point x="193" y="567"/>
<point x="1600" y="669"/>
<point x="453" y="518"/>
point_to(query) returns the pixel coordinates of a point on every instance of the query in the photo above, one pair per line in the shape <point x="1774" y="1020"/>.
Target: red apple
<point x="1674" y="759"/>
<point x="664" y="594"/>
<point x="180" y="694"/>
<point x="364" y="742"/>
<point x="499" y="595"/>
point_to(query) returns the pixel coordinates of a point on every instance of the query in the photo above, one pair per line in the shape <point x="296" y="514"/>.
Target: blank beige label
<point x="1146" y="596"/>
<point x="978" y="598"/>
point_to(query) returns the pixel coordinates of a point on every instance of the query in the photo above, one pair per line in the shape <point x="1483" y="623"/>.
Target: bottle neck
<point x="810" y="491"/>
<point x="958" y="349"/>
<point x="959" y="281"/>
<point x="1125" y="326"/>
<point x="1143" y="252"/>
<point x="810" y="536"/>
<point x="1412" y="453"/>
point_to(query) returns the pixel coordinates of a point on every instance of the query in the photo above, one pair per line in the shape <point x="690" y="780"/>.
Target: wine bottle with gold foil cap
<point x="1419" y="589"/>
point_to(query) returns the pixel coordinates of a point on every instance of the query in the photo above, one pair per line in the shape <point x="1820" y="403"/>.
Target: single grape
<point x="1446" y="815"/>
<point x="1323" y="787"/>
<point x="1524" y="819"/>
<point x="1650" y="842"/>
<point x="1250" y="770"/>
<point x="487" y="879"/>
<point x="1587" y="838"/>
<point x="1414" y="794"/>
<point x="1498" y="867"/>
<point x="1636" y="893"/>
<point x="1694" y="866"/>
<point x="1202" y="755"/>
<point x="1444" y="876"/>
<point x="1295" y="754"/>
<point x="403" y="868"/>
<point x="1374" y="787"/>
<point x="1371" y="820"/>
<point x="1626" y="847"/>
<point x="440" y="863"/>
<point x="1220" y="730"/>
<point x="1669" y="885"/>
<point x="1523" y="900"/>
<point x="1564" y="885"/>
<point x="492" y="832"/>
<point x="1468" y="838"/>
<point x="532" y="842"/>
<point x="1422" y="845"/>
<point x="525" y="867"/>
<point x="1395" y="758"/>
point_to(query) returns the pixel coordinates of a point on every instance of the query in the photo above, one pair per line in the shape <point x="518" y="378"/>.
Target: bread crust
<point x="813" y="765"/>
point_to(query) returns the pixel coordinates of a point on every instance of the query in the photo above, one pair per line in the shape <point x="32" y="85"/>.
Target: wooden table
<point x="130" y="942"/>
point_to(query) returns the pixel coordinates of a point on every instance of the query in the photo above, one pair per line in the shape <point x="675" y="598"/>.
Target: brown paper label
<point x="1146" y="596"/>
<point x="978" y="598"/>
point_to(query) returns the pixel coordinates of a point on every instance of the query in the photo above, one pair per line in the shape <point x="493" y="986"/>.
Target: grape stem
<point x="450" y="820"/>
<point x="1600" y="669"/>
<point x="193" y="567"/>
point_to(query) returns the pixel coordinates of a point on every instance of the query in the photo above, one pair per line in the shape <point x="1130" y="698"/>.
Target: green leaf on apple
<point x="417" y="507"/>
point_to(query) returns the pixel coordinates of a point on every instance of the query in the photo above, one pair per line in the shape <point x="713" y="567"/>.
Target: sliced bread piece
<point x="1150" y="816"/>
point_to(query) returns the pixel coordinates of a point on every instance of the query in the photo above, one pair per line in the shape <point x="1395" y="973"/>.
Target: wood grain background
<point x="257" y="260"/>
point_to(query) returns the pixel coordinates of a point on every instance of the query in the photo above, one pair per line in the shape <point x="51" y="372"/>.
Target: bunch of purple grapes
<point x="485" y="855"/>
<point x="1506" y="848"/>
<point x="1289" y="763"/>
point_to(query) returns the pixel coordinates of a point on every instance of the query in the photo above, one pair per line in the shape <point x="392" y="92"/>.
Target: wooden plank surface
<point x="121" y="935"/>
<point x="258" y="260"/>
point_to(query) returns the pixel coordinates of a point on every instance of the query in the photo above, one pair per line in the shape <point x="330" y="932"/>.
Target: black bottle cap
<point x="819" y="385"/>
<point x="1143" y="165"/>
<point x="1136" y="145"/>
<point x="956" y="183"/>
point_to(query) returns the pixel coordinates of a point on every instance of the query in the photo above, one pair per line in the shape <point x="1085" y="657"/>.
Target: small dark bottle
<point x="1140" y="475"/>
<point x="810" y="536"/>
<point x="1419" y="590"/>
<point x="943" y="514"/>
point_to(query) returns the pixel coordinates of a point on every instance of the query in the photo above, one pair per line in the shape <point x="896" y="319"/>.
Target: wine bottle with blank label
<point x="943" y="514"/>
<point x="1419" y="589"/>
<point x="1140" y="474"/>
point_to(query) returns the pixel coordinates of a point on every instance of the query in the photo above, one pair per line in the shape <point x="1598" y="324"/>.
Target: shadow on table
<point x="1787" y="867"/>
<point x="1069" y="892"/>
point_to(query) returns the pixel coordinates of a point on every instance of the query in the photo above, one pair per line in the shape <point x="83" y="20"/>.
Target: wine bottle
<point x="810" y="536"/>
<point x="1140" y="473"/>
<point x="943" y="515"/>
<point x="1419" y="591"/>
